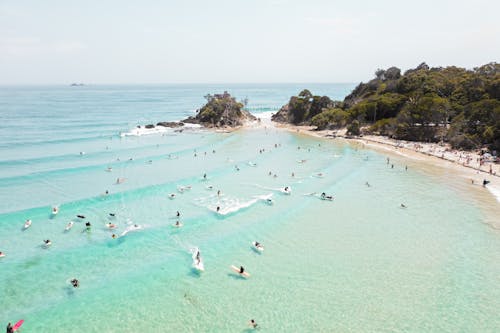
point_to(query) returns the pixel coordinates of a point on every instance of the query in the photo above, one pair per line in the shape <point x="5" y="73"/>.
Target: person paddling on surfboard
<point x="75" y="283"/>
<point x="242" y="270"/>
<point x="253" y="323"/>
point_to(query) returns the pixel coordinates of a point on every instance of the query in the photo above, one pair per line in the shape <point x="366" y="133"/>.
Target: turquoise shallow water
<point x="359" y="263"/>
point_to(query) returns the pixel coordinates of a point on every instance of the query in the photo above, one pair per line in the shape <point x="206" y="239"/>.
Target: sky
<point x="238" y="41"/>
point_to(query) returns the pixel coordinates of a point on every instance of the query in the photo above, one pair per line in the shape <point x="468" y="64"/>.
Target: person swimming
<point x="218" y="209"/>
<point x="75" y="283"/>
<point x="403" y="205"/>
<point x="253" y="323"/>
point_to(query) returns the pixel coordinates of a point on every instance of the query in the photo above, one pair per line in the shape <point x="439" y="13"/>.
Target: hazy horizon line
<point x="166" y="83"/>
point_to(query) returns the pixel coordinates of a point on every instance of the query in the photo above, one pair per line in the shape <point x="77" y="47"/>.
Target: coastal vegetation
<point x="221" y="110"/>
<point x="448" y="104"/>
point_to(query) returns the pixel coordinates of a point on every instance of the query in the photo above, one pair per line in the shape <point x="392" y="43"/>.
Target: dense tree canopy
<point x="426" y="104"/>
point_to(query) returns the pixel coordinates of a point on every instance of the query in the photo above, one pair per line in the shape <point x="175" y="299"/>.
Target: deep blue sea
<point x="356" y="263"/>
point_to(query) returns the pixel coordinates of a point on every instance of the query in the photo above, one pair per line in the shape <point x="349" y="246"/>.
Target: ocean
<point x="357" y="263"/>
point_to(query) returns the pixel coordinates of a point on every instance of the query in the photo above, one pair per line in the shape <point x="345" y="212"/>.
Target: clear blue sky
<point x="225" y="41"/>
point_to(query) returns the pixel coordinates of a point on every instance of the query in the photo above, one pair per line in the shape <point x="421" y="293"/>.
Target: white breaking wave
<point x="495" y="191"/>
<point x="142" y="130"/>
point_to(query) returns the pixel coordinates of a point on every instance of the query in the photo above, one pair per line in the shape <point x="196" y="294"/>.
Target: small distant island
<point x="451" y="104"/>
<point x="74" y="84"/>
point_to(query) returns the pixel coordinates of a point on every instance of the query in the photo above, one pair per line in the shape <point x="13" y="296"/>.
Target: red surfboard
<point x="17" y="325"/>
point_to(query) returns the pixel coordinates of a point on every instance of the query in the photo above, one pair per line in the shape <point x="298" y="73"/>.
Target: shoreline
<point x="465" y="163"/>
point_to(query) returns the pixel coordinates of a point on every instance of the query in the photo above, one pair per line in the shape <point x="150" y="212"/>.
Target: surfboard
<point x="69" y="225"/>
<point x="27" y="224"/>
<point x="258" y="248"/>
<point x="237" y="270"/>
<point x="17" y="325"/>
<point x="199" y="265"/>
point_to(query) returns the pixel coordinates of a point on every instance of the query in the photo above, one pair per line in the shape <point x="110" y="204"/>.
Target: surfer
<point x="81" y="216"/>
<point x="198" y="258"/>
<point x="205" y="176"/>
<point x="242" y="270"/>
<point x="177" y="223"/>
<point x="218" y="209"/>
<point x="178" y="214"/>
<point x="75" y="283"/>
<point x="113" y="236"/>
<point x="9" y="328"/>
<point x="47" y="242"/>
<point x="403" y="205"/>
<point x="286" y="188"/>
<point x="253" y="323"/>
<point x="112" y="214"/>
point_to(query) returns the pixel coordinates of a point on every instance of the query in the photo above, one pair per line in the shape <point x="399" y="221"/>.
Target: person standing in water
<point x="9" y="328"/>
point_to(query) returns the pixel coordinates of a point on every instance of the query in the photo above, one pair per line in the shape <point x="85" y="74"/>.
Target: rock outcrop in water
<point x="171" y="124"/>
<point x="221" y="110"/>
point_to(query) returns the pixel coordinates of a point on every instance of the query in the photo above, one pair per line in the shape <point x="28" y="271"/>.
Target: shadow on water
<point x="32" y="262"/>
<point x="236" y="276"/>
<point x="113" y="242"/>
<point x="193" y="272"/>
<point x="70" y="290"/>
<point x="255" y="250"/>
